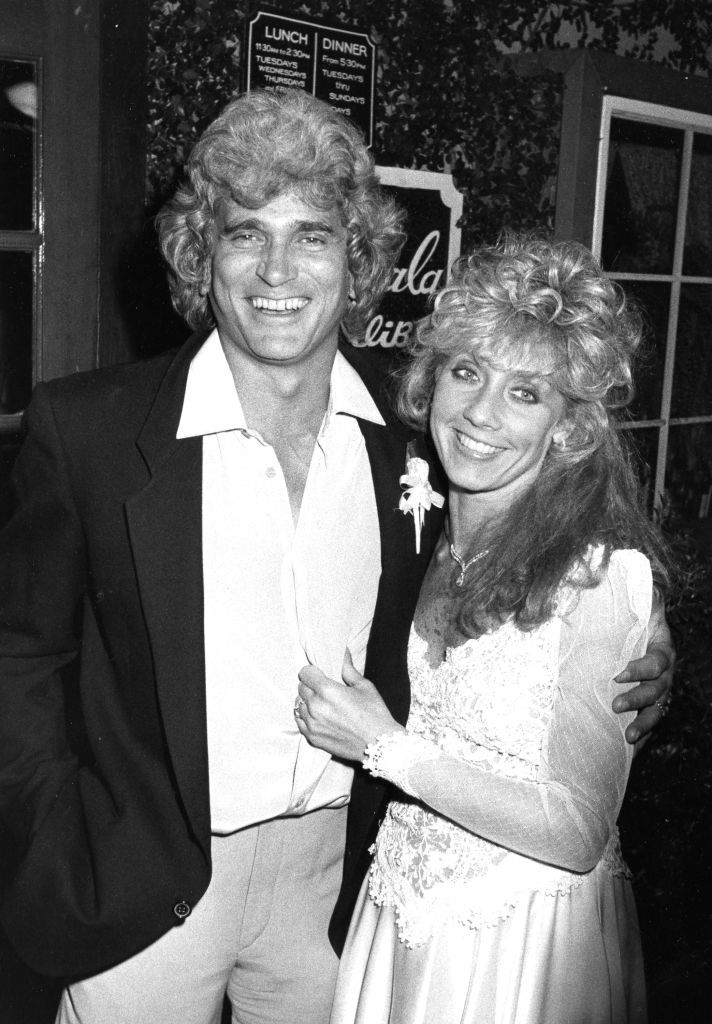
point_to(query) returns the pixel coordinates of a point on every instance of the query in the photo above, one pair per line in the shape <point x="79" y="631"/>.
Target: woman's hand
<point x="341" y="719"/>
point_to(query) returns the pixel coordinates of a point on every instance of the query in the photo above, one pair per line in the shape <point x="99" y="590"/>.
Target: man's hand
<point x="653" y="672"/>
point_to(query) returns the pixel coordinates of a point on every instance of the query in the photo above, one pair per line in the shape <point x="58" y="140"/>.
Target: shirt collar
<point x="211" y="404"/>
<point x="349" y="395"/>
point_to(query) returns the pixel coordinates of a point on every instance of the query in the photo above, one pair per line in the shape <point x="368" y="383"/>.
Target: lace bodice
<point x="516" y="759"/>
<point x="460" y="707"/>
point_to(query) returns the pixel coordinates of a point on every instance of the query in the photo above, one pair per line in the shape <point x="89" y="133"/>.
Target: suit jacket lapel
<point x="165" y="525"/>
<point x="402" y="570"/>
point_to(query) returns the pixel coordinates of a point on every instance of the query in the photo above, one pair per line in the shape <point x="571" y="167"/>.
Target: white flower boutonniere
<point x="418" y="496"/>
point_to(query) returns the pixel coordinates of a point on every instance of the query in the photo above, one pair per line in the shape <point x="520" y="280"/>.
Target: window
<point x="652" y="229"/>
<point x="635" y="185"/>
<point x="20" y="236"/>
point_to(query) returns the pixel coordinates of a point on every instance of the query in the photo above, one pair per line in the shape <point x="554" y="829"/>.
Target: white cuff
<point x="392" y="755"/>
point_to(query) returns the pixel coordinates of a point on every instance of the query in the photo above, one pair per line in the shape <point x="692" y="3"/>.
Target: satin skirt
<point x="556" y="959"/>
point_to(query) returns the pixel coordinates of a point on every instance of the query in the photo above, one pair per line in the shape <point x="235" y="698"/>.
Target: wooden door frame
<point x="589" y="75"/>
<point x="92" y="122"/>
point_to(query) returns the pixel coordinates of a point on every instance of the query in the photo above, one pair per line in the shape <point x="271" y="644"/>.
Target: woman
<point x="497" y="891"/>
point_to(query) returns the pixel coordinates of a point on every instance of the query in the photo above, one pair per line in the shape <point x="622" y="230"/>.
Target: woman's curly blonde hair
<point x="547" y="307"/>
<point x="524" y="301"/>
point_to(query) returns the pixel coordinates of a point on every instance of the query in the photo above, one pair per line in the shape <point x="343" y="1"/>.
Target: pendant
<point x="464" y="566"/>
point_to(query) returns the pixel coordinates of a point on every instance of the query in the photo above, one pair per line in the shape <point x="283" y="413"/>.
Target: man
<point x="189" y="531"/>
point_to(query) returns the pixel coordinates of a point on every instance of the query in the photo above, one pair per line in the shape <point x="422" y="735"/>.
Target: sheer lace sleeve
<point x="565" y="815"/>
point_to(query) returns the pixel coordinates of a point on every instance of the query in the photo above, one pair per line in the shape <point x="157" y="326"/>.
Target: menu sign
<point x="333" y="63"/>
<point x="433" y="208"/>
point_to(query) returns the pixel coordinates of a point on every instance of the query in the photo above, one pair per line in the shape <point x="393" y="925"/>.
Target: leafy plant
<point x="666" y="823"/>
<point x="446" y="98"/>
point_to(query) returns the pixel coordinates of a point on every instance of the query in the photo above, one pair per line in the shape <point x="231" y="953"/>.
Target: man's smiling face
<point x="280" y="281"/>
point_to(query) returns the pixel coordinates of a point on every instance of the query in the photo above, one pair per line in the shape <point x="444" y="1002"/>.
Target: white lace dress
<point x="498" y="894"/>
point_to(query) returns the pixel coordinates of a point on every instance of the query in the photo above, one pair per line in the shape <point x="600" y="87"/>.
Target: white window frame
<point x="689" y="122"/>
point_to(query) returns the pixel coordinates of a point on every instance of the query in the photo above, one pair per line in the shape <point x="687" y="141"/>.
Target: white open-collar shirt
<point x="278" y="596"/>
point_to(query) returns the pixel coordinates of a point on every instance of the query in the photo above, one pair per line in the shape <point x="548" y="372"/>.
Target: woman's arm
<point x="564" y="817"/>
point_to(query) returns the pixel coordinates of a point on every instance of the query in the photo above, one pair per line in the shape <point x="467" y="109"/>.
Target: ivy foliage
<point x="446" y="97"/>
<point x="194" y="55"/>
<point x="666" y="825"/>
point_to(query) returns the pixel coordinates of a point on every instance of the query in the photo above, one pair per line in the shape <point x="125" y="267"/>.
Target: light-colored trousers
<point x="259" y="935"/>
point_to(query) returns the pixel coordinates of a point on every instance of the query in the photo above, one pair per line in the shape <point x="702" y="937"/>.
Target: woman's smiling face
<point x="492" y="426"/>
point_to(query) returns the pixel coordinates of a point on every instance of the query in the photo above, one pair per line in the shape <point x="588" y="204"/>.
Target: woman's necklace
<point x="464" y="565"/>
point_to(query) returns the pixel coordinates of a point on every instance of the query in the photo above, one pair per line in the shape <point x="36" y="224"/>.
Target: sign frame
<point x="341" y="70"/>
<point x="427" y="267"/>
<point x="433" y="181"/>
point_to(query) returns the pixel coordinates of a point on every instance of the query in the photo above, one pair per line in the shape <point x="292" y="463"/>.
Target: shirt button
<point x="181" y="910"/>
<point x="271" y="472"/>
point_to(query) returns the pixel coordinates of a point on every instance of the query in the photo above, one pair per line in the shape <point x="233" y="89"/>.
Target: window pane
<point x="9" y="447"/>
<point x="18" y="117"/>
<point x="641" y="197"/>
<point x="15" y="330"/>
<point x="697" y="259"/>
<point x="692" y="381"/>
<point x="688" y="475"/>
<point x="644" y="444"/>
<point x="654" y="302"/>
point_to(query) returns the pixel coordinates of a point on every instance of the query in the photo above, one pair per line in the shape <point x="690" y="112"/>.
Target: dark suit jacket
<point x="104" y="804"/>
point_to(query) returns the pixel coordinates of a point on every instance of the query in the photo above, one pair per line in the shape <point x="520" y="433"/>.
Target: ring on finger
<point x="299" y="704"/>
<point x="663" y="706"/>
